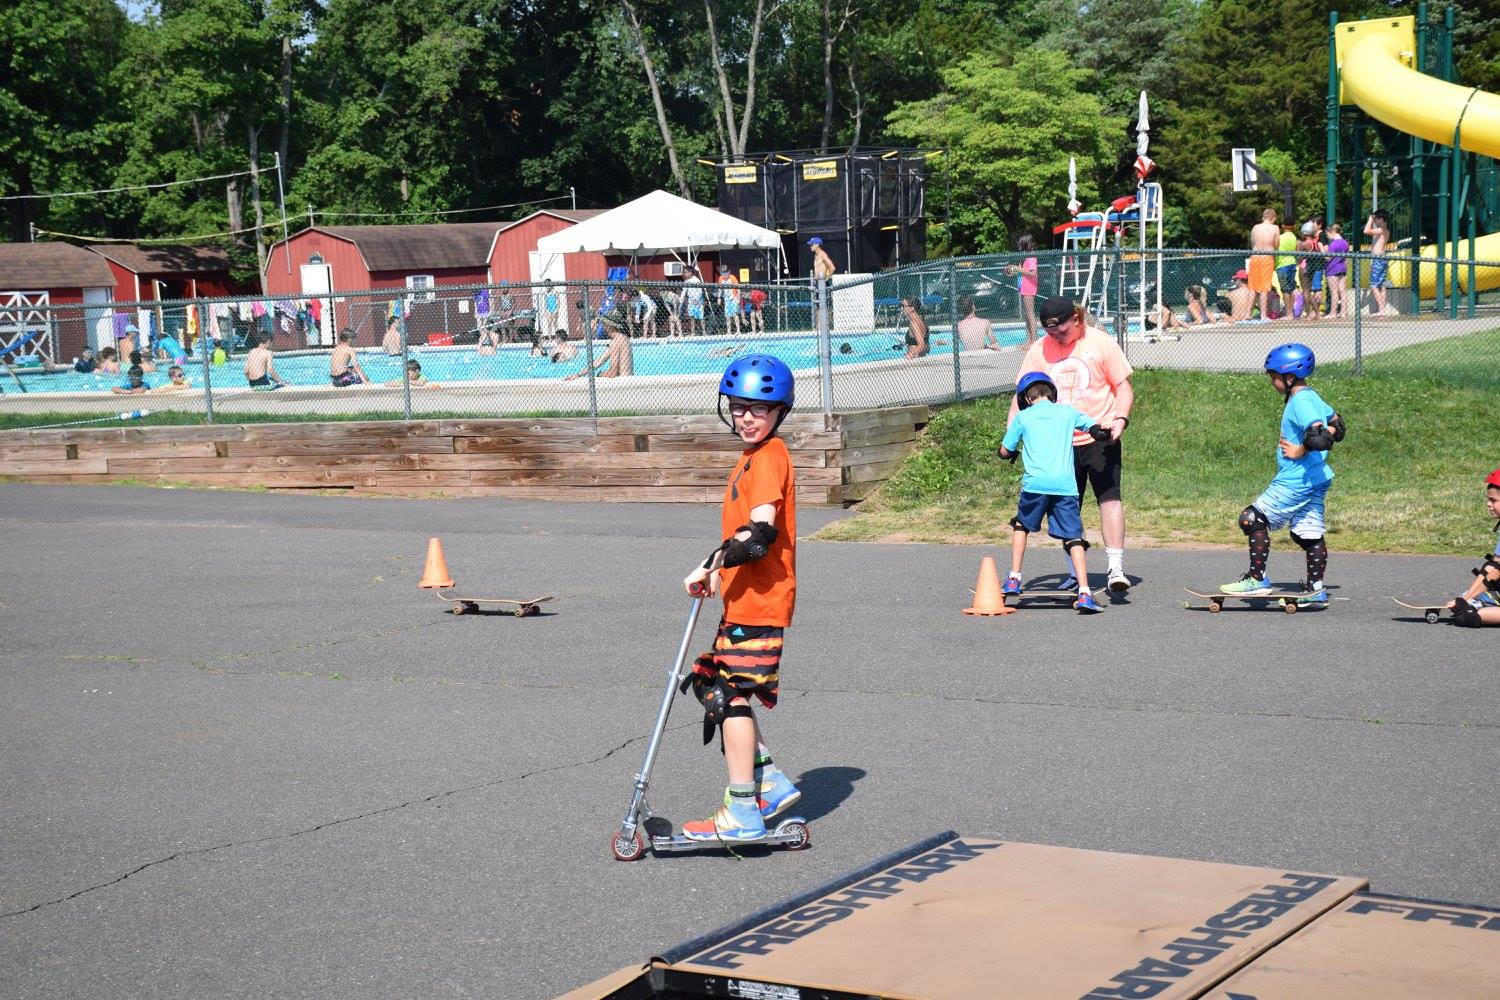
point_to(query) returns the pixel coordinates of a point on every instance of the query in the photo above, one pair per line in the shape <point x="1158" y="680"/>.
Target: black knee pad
<point x="1252" y="520"/>
<point x="1466" y="614"/>
<point x="1306" y="544"/>
<point x="1015" y="522"/>
<point x="1073" y="543"/>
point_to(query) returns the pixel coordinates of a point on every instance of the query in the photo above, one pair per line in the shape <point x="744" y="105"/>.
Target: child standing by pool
<point x="1294" y="500"/>
<point x="1026" y="284"/>
<point x="1337" y="271"/>
<point x="1378" y="228"/>
<point x="755" y="568"/>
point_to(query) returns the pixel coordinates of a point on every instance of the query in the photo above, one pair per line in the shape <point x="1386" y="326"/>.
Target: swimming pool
<point x="692" y="356"/>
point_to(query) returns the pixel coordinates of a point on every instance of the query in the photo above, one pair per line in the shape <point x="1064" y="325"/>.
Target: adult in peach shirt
<point x="1093" y="377"/>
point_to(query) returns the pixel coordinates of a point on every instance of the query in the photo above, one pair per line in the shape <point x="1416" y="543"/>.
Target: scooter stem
<point x="644" y="777"/>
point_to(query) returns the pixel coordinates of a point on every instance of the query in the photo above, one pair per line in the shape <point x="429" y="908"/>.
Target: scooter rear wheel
<point x="628" y="846"/>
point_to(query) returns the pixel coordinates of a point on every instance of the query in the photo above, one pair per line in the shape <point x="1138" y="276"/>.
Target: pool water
<point x="514" y="362"/>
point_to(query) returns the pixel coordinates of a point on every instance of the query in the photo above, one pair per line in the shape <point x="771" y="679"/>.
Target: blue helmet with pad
<point x="1296" y="360"/>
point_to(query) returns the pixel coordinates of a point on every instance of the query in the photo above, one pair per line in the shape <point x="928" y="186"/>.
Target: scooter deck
<point x="790" y="833"/>
<point x="1043" y="593"/>
<point x="1431" y="612"/>
<point x="1289" y="600"/>
<point x="523" y="608"/>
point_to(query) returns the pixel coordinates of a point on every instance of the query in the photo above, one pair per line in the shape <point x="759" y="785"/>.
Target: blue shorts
<point x="1299" y="511"/>
<point x="695" y="310"/>
<point x="1317" y="281"/>
<point x="1377" y="272"/>
<point x="1288" y="277"/>
<point x="1063" y="518"/>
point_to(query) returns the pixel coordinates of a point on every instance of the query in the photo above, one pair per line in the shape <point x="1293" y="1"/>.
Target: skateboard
<point x="1432" y="612"/>
<point x="523" y="609"/>
<point x="1288" y="599"/>
<point x="1042" y="593"/>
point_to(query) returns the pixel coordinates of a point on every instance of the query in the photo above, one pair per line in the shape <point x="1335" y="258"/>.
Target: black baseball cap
<point x="1056" y="308"/>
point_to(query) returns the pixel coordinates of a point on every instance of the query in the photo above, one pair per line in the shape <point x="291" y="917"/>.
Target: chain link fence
<point x="932" y="333"/>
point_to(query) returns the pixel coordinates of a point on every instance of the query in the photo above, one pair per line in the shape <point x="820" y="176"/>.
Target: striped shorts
<point x="748" y="657"/>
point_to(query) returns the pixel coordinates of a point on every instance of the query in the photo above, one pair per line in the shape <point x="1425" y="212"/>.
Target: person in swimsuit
<point x="1378" y="228"/>
<point x="1264" y="239"/>
<point x="618" y="357"/>
<point x="343" y="367"/>
<point x="260" y="370"/>
<point x="916" y="328"/>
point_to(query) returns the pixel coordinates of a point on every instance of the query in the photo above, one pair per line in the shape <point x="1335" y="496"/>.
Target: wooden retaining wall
<point x="839" y="458"/>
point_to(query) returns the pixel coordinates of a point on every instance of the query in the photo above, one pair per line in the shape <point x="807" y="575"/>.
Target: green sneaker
<point x="1248" y="586"/>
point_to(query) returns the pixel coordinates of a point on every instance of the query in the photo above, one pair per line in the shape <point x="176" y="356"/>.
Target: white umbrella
<point x="1074" y="205"/>
<point x="1143" y="163"/>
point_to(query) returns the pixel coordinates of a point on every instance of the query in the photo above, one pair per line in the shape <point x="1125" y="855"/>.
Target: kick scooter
<point x="632" y="840"/>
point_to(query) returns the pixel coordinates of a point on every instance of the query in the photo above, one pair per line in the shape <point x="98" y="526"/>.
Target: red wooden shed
<point x="154" y="273"/>
<point x="53" y="296"/>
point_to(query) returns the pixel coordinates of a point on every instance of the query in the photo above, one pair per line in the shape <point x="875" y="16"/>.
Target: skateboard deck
<point x="1432" y="612"/>
<point x="1043" y="593"/>
<point x="1288" y="599"/>
<point x="523" y="609"/>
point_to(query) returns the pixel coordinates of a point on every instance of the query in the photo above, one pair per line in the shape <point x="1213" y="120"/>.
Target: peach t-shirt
<point x="763" y="592"/>
<point x="1086" y="373"/>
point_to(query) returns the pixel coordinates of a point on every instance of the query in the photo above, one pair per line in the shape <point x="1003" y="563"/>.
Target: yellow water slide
<point x="1375" y="72"/>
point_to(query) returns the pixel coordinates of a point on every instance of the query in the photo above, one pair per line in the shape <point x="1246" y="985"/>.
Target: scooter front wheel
<point x="628" y="846"/>
<point x="800" y="840"/>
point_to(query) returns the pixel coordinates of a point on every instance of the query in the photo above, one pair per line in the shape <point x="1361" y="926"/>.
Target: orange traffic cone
<point x="988" y="600"/>
<point x="435" y="574"/>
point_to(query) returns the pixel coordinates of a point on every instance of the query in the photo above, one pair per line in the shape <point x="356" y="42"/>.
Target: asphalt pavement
<point x="246" y="757"/>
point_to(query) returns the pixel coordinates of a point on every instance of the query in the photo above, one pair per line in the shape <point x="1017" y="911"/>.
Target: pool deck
<point x="1223" y="347"/>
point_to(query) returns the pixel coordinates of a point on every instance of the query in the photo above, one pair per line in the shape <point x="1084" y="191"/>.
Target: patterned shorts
<point x="748" y="657"/>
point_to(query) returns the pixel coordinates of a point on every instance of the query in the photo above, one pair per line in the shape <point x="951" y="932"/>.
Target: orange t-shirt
<point x="1086" y="373"/>
<point x="762" y="592"/>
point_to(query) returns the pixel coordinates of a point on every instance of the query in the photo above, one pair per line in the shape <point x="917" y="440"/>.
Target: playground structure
<point x="1396" y="109"/>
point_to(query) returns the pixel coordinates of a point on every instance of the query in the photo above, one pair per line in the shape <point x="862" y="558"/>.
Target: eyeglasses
<point x="754" y="409"/>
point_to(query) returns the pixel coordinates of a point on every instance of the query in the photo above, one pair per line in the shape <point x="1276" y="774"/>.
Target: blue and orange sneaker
<point x="1011" y="587"/>
<point x="1086" y="604"/>
<point x="777" y="793"/>
<point x="736" y="820"/>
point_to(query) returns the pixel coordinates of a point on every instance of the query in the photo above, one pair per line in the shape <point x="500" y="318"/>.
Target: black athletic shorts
<point x="1097" y="465"/>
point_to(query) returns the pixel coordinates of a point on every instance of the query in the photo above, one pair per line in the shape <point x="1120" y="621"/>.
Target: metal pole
<point x="1331" y="144"/>
<point x="1359" y="346"/>
<point x="573" y="193"/>
<point x="1473" y="252"/>
<point x="405" y="372"/>
<point x="1357" y="212"/>
<point x="286" y="247"/>
<point x="958" y="382"/>
<point x="588" y="347"/>
<point x="206" y="350"/>
<point x="825" y="347"/>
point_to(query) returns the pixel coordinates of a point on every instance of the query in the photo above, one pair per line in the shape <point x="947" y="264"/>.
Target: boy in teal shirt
<point x="1295" y="497"/>
<point x="1043" y="430"/>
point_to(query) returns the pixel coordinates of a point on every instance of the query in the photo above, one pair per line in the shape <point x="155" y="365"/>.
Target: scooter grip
<point x="698" y="590"/>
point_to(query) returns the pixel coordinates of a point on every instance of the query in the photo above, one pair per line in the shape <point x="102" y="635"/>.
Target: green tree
<point x="60" y="119"/>
<point x="1009" y="129"/>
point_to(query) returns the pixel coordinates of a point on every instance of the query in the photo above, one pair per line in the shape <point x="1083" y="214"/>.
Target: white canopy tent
<point x="660" y="222"/>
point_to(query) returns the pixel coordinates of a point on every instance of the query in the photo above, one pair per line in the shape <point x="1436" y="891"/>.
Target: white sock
<point x="1116" y="558"/>
<point x="1014" y="575"/>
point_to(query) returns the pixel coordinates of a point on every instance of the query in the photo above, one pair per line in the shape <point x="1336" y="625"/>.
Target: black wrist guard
<point x="1099" y="434"/>
<point x="738" y="551"/>
<point x="1319" y="438"/>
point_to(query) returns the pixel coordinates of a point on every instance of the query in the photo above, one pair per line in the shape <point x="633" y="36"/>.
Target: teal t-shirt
<point x="1304" y="409"/>
<point x="1044" y="430"/>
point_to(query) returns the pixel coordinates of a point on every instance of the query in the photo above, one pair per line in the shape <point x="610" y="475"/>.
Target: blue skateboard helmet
<point x="1291" y="359"/>
<point x="1027" y="381"/>
<point x="758" y="378"/>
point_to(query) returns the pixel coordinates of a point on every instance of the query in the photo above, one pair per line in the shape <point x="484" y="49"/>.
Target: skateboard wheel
<point x="1432" y="617"/>
<point x="1215" y="606"/>
<point x="801" y="838"/>
<point x="628" y="846"/>
<point x="457" y="609"/>
<point x="1290" y="607"/>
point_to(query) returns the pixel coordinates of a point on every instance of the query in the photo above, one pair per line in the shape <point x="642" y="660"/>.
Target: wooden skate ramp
<point x="965" y="917"/>
<point x="1380" y="948"/>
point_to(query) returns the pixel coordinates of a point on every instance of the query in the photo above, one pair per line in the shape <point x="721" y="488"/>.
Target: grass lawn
<point x="1201" y="446"/>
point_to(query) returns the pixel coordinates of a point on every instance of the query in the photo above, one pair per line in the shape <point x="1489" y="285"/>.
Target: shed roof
<point x="165" y="259"/>
<point x="420" y="247"/>
<point x="433" y="246"/>
<point x="38" y="266"/>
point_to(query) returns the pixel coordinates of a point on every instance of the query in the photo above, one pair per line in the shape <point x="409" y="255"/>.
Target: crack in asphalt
<point x="329" y="824"/>
<point x="478" y="786"/>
